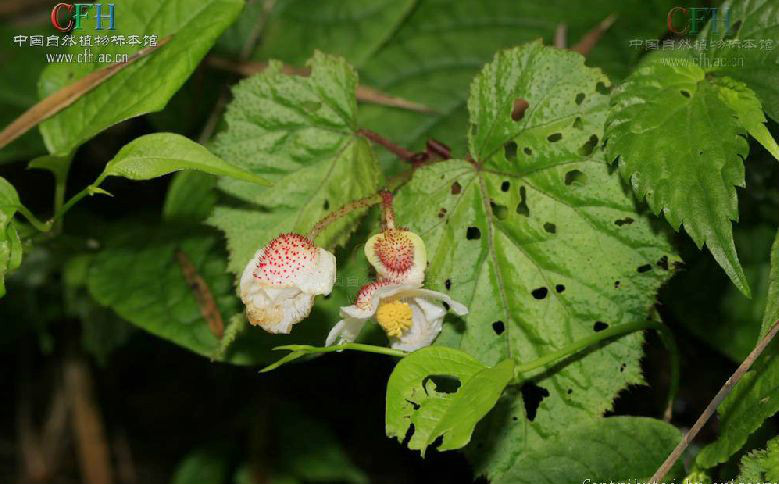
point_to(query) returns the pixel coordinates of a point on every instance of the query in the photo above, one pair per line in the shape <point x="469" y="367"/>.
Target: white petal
<point x="321" y="278"/>
<point x="422" y="333"/>
<point x="345" y="331"/>
<point x="389" y="291"/>
<point x="431" y="310"/>
<point x="276" y="310"/>
<point x="458" y="308"/>
<point x="357" y="313"/>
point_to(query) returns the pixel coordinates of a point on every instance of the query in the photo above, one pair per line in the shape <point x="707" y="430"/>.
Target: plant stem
<point x="346" y="346"/>
<point x="712" y="406"/>
<point x="342" y="212"/>
<point x="88" y="190"/>
<point x="398" y="151"/>
<point x="41" y="226"/>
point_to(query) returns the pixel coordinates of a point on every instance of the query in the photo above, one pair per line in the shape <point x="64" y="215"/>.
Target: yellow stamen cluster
<point x="395" y="317"/>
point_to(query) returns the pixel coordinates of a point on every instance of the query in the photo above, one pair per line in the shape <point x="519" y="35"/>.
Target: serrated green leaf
<point x="147" y="84"/>
<point x="353" y="29"/>
<point x="299" y="132"/>
<point x="614" y="449"/>
<point x="540" y="241"/>
<point x="756" y="397"/>
<point x="761" y="465"/>
<point x="159" y="154"/>
<point x="747" y="107"/>
<point x="414" y="399"/>
<point x="756" y="63"/>
<point x="682" y="149"/>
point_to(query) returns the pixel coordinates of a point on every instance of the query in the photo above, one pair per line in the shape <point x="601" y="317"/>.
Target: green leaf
<point x="159" y="154"/>
<point x="414" y="399"/>
<point x="311" y="451"/>
<point x="353" y="29"/>
<point x="10" y="244"/>
<point x="191" y="197"/>
<point x="751" y="21"/>
<point x="300" y="133"/>
<point x="716" y="312"/>
<point x="756" y="397"/>
<point x="102" y="331"/>
<point x="541" y="241"/>
<point x="614" y="449"/>
<point x="147" y="84"/>
<point x="761" y="465"/>
<point x="745" y="104"/>
<point x="138" y="276"/>
<point x="17" y="89"/>
<point x="209" y="464"/>
<point x="682" y="149"/>
<point x="441" y="45"/>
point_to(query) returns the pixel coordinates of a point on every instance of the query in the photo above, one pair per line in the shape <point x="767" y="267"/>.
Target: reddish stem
<point x="342" y="212"/>
<point x="398" y="151"/>
<point x="387" y="212"/>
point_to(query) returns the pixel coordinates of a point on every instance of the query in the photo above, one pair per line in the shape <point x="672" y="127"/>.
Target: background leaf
<point x="761" y="465"/>
<point x="441" y="45"/>
<point x="618" y="449"/>
<point x="144" y="86"/>
<point x="10" y="245"/>
<point x="756" y="397"/>
<point x="137" y="276"/>
<point x="17" y="91"/>
<point x="751" y="21"/>
<point x="353" y="29"/>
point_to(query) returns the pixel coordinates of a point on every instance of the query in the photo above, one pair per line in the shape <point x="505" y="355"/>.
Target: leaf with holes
<point x="540" y="240"/>
<point x="614" y="449"/>
<point x="147" y="84"/>
<point x="756" y="397"/>
<point x="415" y="399"/>
<point x="680" y="142"/>
<point x="300" y="133"/>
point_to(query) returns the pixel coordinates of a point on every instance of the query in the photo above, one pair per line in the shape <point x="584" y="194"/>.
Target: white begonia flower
<point x="411" y="316"/>
<point x="398" y="255"/>
<point x="279" y="283"/>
